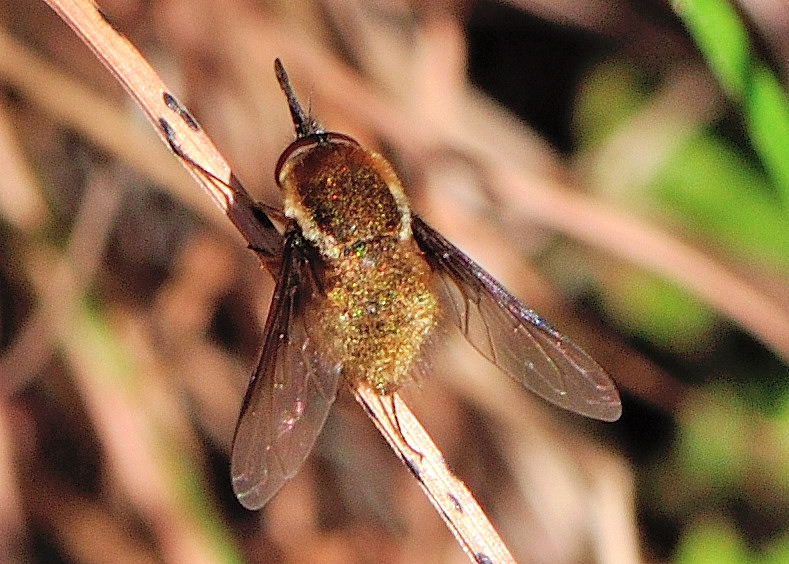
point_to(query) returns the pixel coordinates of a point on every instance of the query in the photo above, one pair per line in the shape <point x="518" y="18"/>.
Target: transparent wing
<point x="290" y="392"/>
<point x="514" y="337"/>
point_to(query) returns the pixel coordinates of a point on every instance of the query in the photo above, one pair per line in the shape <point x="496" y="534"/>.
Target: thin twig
<point x="176" y="126"/>
<point x="59" y="94"/>
<point x="447" y="493"/>
<point x="158" y="102"/>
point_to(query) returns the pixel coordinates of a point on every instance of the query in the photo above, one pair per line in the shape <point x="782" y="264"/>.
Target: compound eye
<point x="305" y="144"/>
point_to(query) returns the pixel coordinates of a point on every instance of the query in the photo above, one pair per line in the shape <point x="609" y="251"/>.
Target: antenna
<point x="304" y="123"/>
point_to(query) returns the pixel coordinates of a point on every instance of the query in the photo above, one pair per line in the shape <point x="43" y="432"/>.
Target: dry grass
<point x="132" y="311"/>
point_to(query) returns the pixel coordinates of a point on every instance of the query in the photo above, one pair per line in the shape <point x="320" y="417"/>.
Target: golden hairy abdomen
<point x="379" y="311"/>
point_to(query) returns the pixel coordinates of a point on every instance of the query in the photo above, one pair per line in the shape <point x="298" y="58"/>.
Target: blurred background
<point x="621" y="166"/>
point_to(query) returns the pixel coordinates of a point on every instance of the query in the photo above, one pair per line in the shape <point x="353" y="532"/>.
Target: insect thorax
<point x="340" y="194"/>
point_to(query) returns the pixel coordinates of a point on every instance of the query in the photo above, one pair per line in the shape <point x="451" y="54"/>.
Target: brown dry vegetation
<point x="131" y="311"/>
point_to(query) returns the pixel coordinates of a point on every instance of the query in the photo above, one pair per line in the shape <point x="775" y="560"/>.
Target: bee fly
<point x="363" y="283"/>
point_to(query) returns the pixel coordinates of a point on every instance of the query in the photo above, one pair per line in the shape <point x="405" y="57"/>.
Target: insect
<point x="363" y="285"/>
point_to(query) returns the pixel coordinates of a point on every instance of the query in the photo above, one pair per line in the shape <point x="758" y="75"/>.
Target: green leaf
<point x="723" y="40"/>
<point x="712" y="190"/>
<point x="713" y="543"/>
<point x="658" y="312"/>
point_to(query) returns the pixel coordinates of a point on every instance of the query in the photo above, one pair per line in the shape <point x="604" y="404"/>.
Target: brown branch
<point x="158" y="103"/>
<point x="74" y="105"/>
<point x="453" y="501"/>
